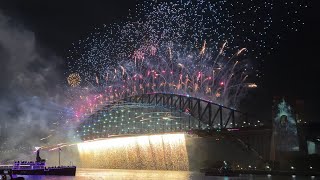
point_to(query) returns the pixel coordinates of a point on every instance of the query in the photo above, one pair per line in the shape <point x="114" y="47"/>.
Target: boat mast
<point x="59" y="155"/>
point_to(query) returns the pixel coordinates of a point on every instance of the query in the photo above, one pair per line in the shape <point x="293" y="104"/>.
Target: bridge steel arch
<point x="214" y="115"/>
<point x="209" y="115"/>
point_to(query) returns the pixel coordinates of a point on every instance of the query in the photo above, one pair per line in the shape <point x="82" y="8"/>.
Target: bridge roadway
<point x="254" y="139"/>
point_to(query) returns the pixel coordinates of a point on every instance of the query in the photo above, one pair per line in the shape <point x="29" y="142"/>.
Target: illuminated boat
<point x="38" y="167"/>
<point x="220" y="168"/>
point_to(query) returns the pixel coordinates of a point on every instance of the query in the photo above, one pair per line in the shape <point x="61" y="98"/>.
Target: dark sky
<point x="292" y="69"/>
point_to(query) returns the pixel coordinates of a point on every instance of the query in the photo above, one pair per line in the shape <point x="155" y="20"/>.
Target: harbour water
<point x="112" y="174"/>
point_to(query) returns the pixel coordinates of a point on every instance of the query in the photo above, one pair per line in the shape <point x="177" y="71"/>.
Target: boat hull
<point x="65" y="171"/>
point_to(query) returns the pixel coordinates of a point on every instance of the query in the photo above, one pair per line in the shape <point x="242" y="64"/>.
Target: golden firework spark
<point x="252" y="85"/>
<point x="161" y="152"/>
<point x="74" y="79"/>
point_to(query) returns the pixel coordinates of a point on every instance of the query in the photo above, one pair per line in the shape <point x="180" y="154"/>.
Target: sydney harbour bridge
<point x="218" y="130"/>
<point x="161" y="113"/>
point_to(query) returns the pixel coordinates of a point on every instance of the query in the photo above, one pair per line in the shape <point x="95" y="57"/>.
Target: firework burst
<point x="74" y="79"/>
<point x="197" y="48"/>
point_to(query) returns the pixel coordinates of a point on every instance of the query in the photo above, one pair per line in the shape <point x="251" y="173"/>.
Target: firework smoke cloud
<point x="29" y="88"/>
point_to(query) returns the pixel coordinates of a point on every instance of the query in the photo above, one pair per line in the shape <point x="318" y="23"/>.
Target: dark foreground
<point x="233" y="173"/>
<point x="108" y="174"/>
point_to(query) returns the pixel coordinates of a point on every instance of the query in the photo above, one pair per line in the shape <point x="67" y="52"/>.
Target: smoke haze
<point x="30" y="90"/>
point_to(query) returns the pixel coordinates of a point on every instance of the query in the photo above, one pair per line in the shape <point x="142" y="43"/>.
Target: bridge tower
<point x="287" y="140"/>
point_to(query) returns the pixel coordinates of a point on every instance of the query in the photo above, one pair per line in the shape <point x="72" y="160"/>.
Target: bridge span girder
<point x="214" y="115"/>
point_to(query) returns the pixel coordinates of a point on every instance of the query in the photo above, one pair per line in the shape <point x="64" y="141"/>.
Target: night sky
<point x="291" y="69"/>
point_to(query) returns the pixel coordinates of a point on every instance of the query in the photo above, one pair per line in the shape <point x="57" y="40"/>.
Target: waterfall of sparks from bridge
<point x="154" y="152"/>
